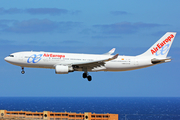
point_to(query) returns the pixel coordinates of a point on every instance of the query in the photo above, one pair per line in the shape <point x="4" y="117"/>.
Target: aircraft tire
<point x="84" y="75"/>
<point x="22" y="72"/>
<point x="89" y="78"/>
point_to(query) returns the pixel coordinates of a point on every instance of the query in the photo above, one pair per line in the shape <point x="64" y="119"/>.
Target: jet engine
<point x="62" y="69"/>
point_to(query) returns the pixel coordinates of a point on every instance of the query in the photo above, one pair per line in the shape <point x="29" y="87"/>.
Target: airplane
<point x="63" y="63"/>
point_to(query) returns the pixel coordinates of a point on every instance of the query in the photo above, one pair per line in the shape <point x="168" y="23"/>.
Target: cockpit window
<point x="11" y="55"/>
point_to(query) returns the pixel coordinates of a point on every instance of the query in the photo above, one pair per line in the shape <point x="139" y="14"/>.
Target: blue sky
<point x="94" y="26"/>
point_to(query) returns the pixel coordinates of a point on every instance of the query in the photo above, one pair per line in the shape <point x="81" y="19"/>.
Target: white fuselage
<point x="51" y="59"/>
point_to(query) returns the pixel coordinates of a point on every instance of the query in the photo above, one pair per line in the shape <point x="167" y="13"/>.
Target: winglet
<point x="114" y="57"/>
<point x="110" y="52"/>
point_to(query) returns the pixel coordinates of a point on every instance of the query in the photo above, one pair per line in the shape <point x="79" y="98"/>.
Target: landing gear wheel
<point x="22" y="72"/>
<point x="89" y="78"/>
<point x="84" y="75"/>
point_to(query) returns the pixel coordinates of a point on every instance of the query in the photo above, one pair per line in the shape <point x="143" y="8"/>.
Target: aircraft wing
<point x="93" y="64"/>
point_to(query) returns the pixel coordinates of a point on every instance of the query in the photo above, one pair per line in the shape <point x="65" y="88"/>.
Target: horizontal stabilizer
<point x="156" y="61"/>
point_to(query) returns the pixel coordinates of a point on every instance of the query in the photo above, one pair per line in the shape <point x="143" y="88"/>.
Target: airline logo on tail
<point x="163" y="45"/>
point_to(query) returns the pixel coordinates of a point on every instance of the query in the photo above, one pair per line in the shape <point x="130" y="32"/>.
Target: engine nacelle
<point x="61" y="69"/>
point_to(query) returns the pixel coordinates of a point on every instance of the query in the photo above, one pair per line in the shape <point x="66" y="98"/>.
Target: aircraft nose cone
<point x="6" y="59"/>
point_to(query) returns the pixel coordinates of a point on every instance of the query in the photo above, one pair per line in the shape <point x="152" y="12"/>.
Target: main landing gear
<point x="22" y="70"/>
<point x="85" y="75"/>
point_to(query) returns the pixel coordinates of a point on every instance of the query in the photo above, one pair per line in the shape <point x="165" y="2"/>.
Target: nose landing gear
<point x="85" y="75"/>
<point x="22" y="70"/>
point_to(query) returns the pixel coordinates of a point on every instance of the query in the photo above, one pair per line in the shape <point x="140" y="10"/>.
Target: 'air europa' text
<point x="160" y="45"/>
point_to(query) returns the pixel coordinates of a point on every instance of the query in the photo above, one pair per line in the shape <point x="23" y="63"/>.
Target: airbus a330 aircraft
<point x="63" y="63"/>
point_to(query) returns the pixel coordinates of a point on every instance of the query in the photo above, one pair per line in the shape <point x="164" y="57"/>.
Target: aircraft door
<point x="136" y="62"/>
<point x="21" y="57"/>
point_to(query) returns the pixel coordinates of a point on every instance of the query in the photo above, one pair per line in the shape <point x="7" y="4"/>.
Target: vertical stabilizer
<point x="161" y="48"/>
